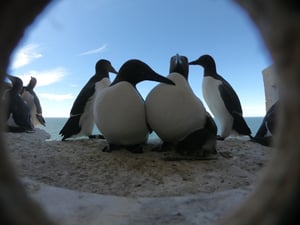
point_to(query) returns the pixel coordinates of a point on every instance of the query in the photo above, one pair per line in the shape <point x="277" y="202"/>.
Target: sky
<point x="63" y="45"/>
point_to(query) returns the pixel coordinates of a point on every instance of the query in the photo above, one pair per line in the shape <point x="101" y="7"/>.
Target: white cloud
<point x="26" y="55"/>
<point x="94" y="51"/>
<point x="56" y="97"/>
<point x="44" y="78"/>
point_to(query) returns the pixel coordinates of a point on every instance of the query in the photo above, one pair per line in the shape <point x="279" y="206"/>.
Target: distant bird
<point x="81" y="120"/>
<point x="267" y="128"/>
<point x="33" y="103"/>
<point x="119" y="110"/>
<point x="222" y="100"/>
<point x="18" y="113"/>
<point x="178" y="116"/>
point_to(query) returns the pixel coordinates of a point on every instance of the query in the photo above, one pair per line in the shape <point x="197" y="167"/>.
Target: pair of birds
<point x="24" y="110"/>
<point x="171" y="109"/>
<point x="116" y="107"/>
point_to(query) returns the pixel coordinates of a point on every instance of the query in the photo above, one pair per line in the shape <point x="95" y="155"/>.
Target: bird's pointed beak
<point x="159" y="78"/>
<point x="112" y="70"/>
<point x="11" y="78"/>
<point x="193" y="62"/>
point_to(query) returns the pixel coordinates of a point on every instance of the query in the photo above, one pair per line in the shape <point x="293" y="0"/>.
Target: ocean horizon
<point x="55" y="124"/>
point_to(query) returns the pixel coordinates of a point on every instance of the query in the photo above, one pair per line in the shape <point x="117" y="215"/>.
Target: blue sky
<point x="61" y="48"/>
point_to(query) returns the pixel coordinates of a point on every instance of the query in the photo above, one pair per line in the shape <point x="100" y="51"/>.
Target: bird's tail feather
<point x="71" y="127"/>
<point x="240" y="125"/>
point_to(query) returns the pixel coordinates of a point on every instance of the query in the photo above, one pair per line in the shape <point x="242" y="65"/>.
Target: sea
<point x="54" y="125"/>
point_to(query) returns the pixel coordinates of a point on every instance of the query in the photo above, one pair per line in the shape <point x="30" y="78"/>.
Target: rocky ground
<point x="125" y="188"/>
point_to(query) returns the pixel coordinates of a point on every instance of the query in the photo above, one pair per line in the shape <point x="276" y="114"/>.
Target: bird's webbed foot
<point x="220" y="138"/>
<point x="96" y="136"/>
<point x="135" y="148"/>
<point x="110" y="148"/>
<point x="164" y="147"/>
<point x="132" y="148"/>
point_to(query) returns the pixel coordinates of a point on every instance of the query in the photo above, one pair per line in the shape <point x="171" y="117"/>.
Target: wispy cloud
<point x="26" y="55"/>
<point x="56" y="97"/>
<point x="44" y="78"/>
<point x="94" y="51"/>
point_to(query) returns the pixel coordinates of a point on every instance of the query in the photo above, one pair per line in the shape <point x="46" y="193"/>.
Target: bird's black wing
<point x="260" y="136"/>
<point x="240" y="125"/>
<point x="38" y="106"/>
<point x="21" y="113"/>
<point x="41" y="119"/>
<point x="271" y="117"/>
<point x="269" y="122"/>
<point x="71" y="127"/>
<point x="230" y="98"/>
<point x="233" y="105"/>
<point x="262" y="130"/>
<point x="37" y="103"/>
<point x="80" y="102"/>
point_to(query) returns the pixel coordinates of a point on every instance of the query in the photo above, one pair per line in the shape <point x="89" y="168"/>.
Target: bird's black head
<point x="179" y="64"/>
<point x="17" y="84"/>
<point x="104" y="67"/>
<point x="32" y="83"/>
<point x="208" y="64"/>
<point x="135" y="71"/>
<point x="204" y="60"/>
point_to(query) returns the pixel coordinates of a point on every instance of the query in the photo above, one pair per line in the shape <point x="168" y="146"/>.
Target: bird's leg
<point x="220" y="138"/>
<point x="135" y="148"/>
<point x="110" y="148"/>
<point x="96" y="136"/>
<point x="132" y="148"/>
<point x="164" y="147"/>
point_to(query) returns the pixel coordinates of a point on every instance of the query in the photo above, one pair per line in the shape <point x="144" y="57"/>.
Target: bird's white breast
<point x="213" y="99"/>
<point x="103" y="83"/>
<point x="120" y="115"/>
<point x="29" y="100"/>
<point x="86" y="121"/>
<point x="174" y="111"/>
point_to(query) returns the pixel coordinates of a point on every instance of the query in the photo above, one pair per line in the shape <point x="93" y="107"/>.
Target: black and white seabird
<point x="119" y="110"/>
<point x="81" y="120"/>
<point x="222" y="100"/>
<point x="18" y="113"/>
<point x="178" y="116"/>
<point x="265" y="132"/>
<point x="33" y="103"/>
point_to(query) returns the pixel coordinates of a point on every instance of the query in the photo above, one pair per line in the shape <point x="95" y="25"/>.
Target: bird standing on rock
<point x="119" y="110"/>
<point x="18" y="113"/>
<point x="222" y="100"/>
<point x="81" y="121"/>
<point x="178" y="116"/>
<point x="33" y="103"/>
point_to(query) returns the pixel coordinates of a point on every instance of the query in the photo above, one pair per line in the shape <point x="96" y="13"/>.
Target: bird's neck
<point x="210" y="71"/>
<point x="103" y="72"/>
<point x="118" y="80"/>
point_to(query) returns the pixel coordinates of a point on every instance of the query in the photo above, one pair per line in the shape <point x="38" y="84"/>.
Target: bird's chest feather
<point x="174" y="111"/>
<point x="212" y="96"/>
<point x="121" y="104"/>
